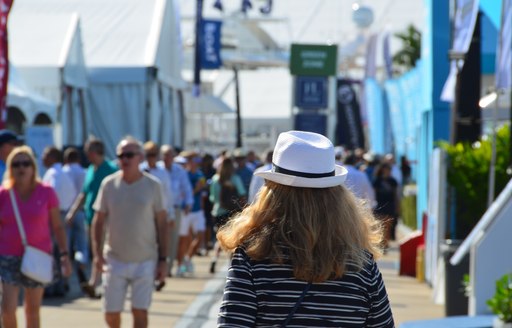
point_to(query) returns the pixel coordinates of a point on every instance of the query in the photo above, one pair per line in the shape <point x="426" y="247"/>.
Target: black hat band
<point x="279" y="169"/>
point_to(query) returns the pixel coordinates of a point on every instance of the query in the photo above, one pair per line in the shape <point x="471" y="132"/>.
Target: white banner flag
<point x="503" y="54"/>
<point x="466" y="13"/>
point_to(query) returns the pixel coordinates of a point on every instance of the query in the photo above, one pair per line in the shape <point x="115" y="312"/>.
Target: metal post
<point x="196" y="88"/>
<point x="492" y="167"/>
<point x="238" y="118"/>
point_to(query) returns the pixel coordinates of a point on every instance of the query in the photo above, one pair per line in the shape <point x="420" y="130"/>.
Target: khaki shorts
<point x="139" y="276"/>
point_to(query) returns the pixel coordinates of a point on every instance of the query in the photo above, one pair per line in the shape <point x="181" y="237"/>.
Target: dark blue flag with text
<point x="210" y="45"/>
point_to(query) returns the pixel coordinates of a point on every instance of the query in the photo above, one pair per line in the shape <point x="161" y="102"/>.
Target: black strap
<point x="282" y="170"/>
<point x="299" y="301"/>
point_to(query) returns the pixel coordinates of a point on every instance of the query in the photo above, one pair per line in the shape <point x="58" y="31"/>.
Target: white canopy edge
<point x="206" y="104"/>
<point x="30" y="103"/>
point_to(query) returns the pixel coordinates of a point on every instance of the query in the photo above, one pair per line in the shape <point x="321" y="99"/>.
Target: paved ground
<point x="193" y="302"/>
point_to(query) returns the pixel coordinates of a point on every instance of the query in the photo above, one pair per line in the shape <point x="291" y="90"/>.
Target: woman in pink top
<point x="39" y="210"/>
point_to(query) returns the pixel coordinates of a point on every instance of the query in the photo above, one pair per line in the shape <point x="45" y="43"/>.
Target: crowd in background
<point x="199" y="193"/>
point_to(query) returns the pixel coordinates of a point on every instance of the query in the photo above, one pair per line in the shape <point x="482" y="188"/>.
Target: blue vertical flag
<point x="211" y="44"/>
<point x="503" y="57"/>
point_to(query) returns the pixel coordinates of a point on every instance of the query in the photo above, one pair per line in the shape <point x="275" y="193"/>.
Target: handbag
<point x="296" y="306"/>
<point x="35" y="263"/>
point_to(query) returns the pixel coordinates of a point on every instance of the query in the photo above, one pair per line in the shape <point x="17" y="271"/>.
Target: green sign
<point x="313" y="60"/>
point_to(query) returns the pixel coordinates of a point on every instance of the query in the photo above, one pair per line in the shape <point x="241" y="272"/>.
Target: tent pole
<point x="71" y="121"/>
<point x="83" y="116"/>
<point x="238" y="118"/>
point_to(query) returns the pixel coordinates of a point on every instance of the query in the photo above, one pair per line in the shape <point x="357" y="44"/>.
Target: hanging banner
<point x="311" y="92"/>
<point x="210" y="46"/>
<point x="466" y="12"/>
<point x="349" y="130"/>
<point x="5" y="7"/>
<point x="503" y="55"/>
<point x="313" y="60"/>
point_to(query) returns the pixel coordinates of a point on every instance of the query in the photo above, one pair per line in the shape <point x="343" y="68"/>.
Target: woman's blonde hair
<point x="325" y="232"/>
<point x="8" y="178"/>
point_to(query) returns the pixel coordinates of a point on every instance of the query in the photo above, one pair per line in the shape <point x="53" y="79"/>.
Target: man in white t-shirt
<point x="66" y="192"/>
<point x="135" y="249"/>
<point x="58" y="179"/>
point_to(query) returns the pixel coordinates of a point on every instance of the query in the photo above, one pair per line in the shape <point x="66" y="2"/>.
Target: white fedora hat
<point x="304" y="159"/>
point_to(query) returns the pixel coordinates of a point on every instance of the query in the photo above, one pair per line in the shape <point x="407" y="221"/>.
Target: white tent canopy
<point x="133" y="53"/>
<point x="42" y="51"/>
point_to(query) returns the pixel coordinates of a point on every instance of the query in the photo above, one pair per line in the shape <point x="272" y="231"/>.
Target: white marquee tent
<point x="50" y="59"/>
<point x="133" y="52"/>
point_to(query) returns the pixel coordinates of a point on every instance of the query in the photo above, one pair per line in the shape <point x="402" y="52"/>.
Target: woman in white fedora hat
<point x="304" y="252"/>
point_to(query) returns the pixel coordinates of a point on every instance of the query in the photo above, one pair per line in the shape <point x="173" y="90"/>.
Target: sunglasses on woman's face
<point x="126" y="154"/>
<point x="19" y="164"/>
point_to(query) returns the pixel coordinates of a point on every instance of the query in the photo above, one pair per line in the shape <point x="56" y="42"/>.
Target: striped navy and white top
<point x="261" y="294"/>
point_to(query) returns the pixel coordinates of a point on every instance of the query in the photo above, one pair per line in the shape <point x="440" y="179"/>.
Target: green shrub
<point x="468" y="174"/>
<point x="501" y="302"/>
<point x="408" y="211"/>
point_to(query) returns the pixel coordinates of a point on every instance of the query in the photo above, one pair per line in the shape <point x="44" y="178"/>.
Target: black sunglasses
<point x="21" y="164"/>
<point x="128" y="154"/>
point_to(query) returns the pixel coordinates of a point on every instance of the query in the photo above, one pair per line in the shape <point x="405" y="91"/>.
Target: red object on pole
<point x="5" y="8"/>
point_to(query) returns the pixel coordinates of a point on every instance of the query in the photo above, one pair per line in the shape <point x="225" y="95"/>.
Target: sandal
<point x="89" y="291"/>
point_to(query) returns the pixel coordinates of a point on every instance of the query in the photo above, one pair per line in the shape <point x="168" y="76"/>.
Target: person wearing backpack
<point x="228" y="195"/>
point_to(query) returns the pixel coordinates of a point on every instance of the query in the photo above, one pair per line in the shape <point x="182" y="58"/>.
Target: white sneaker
<point x="189" y="266"/>
<point x="181" y="270"/>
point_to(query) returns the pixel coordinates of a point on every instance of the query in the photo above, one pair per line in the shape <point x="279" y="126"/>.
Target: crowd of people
<point x="143" y="217"/>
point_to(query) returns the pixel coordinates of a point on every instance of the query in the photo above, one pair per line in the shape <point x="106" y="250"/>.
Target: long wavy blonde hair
<point x="8" y="178"/>
<point x="326" y="232"/>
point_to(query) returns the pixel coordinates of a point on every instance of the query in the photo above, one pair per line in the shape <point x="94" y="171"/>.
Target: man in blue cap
<point x="8" y="140"/>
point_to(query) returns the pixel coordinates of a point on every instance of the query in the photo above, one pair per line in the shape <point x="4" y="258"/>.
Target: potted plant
<point x="501" y="302"/>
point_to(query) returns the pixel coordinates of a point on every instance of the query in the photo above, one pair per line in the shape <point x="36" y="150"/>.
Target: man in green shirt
<point x="96" y="172"/>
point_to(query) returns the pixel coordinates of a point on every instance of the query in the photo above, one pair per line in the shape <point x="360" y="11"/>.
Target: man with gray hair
<point x="135" y="249"/>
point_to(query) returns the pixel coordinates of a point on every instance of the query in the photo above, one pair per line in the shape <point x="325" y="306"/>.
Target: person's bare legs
<point x="113" y="319"/>
<point x="140" y="318"/>
<point x="196" y="243"/>
<point x="33" y="299"/>
<point x="183" y="245"/>
<point x="9" y="305"/>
